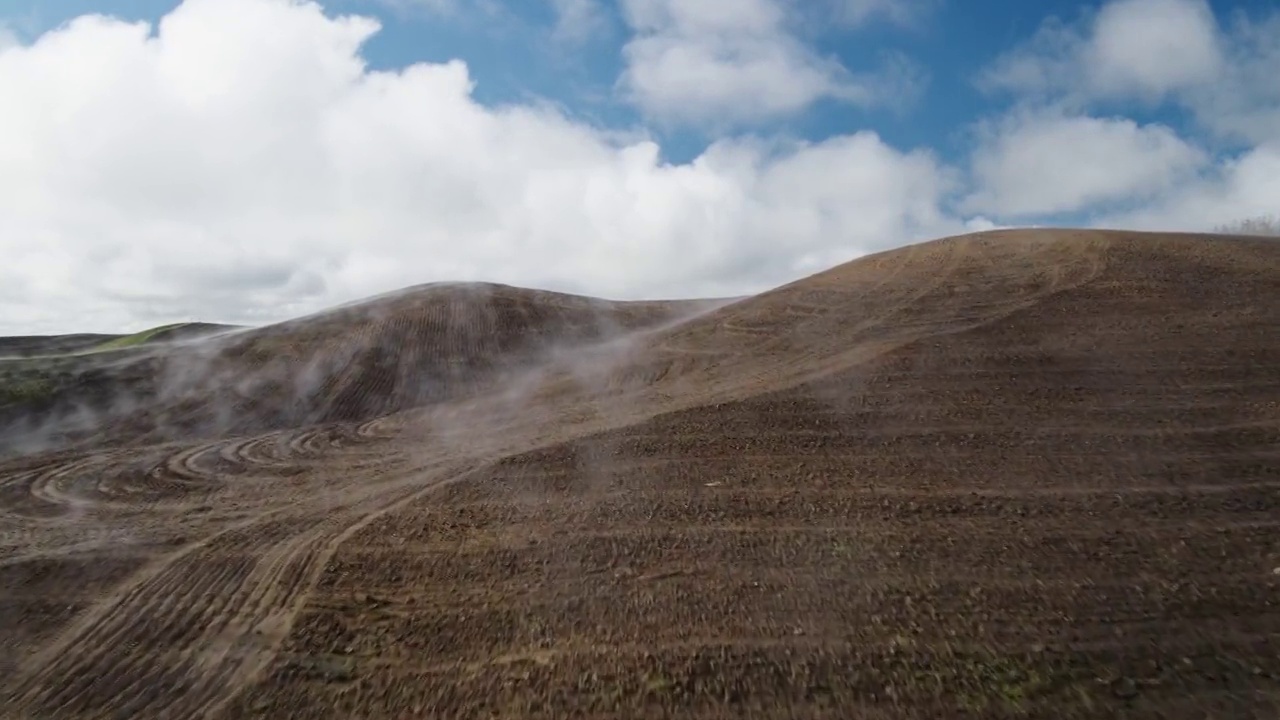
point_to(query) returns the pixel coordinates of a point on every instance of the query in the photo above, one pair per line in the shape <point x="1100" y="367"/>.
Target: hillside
<point x="1008" y="474"/>
<point x="355" y="363"/>
<point x="28" y="346"/>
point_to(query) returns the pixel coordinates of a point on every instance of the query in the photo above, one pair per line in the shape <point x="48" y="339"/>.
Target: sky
<point x="247" y="161"/>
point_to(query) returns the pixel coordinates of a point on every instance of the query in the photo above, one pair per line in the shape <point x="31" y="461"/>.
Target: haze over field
<point x="246" y="161"/>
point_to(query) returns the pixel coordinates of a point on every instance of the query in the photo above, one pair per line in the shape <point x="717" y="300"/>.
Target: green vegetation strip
<point x="24" y="390"/>
<point x="136" y="338"/>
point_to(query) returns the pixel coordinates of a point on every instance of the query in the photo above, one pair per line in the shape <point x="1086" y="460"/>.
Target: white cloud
<point x="723" y="61"/>
<point x="1243" y="102"/>
<point x="1169" y="54"/>
<point x="982" y="224"/>
<point x="1129" y="48"/>
<point x="242" y="164"/>
<point x="1042" y="163"/>
<point x="1245" y="186"/>
<point x="578" y="20"/>
<point x="1226" y="77"/>
<point x="1152" y="47"/>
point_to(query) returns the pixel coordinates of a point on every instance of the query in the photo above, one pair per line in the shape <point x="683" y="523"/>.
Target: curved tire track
<point x="183" y="639"/>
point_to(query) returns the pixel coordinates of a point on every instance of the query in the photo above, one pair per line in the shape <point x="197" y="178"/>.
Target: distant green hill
<point x="33" y="346"/>
<point x="137" y="338"/>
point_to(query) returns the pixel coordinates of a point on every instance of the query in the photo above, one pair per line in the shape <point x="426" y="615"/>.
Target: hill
<point x="403" y="350"/>
<point x="1009" y="474"/>
<point x="35" y="346"/>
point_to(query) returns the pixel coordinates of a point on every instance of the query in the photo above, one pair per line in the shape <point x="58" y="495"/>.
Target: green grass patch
<point x="984" y="682"/>
<point x="135" y="339"/>
<point x="24" y="390"/>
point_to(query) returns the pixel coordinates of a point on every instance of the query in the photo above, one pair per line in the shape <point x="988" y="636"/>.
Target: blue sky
<point x="689" y="147"/>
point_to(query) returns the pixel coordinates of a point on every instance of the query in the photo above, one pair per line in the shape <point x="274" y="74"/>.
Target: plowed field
<point x="1010" y="474"/>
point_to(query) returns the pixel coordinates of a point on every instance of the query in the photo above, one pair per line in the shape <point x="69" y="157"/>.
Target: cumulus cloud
<point x="722" y="61"/>
<point x="1142" y="48"/>
<point x="239" y="162"/>
<point x="1227" y="76"/>
<point x="1044" y="163"/>
<point x="1049" y="154"/>
<point x="1244" y="186"/>
<point x="1243" y="102"/>
<point x="1153" y="47"/>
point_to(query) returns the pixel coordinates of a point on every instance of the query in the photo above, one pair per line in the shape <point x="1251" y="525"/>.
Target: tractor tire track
<point x="203" y="633"/>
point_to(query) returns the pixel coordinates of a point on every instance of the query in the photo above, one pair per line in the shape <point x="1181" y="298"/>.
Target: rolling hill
<point x="1009" y="474"/>
<point x="403" y="350"/>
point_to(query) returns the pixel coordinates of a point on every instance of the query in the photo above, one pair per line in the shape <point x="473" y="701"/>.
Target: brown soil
<point x="1011" y="474"/>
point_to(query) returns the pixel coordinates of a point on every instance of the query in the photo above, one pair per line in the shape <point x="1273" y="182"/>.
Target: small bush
<point x="1267" y="225"/>
<point x="24" y="390"/>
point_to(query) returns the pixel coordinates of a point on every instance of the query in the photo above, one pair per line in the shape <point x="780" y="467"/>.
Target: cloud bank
<point x="240" y="162"/>
<point x="1063" y="148"/>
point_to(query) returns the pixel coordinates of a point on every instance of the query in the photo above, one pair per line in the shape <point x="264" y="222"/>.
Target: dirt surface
<point x="1011" y="474"/>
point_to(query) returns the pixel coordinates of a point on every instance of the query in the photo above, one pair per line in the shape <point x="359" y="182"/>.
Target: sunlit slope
<point x="837" y="320"/>
<point x="1020" y="472"/>
<point x="1035" y="332"/>
<point x="1139" y="301"/>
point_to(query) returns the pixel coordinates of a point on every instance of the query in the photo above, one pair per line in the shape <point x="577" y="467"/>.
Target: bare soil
<point x="1010" y="474"/>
